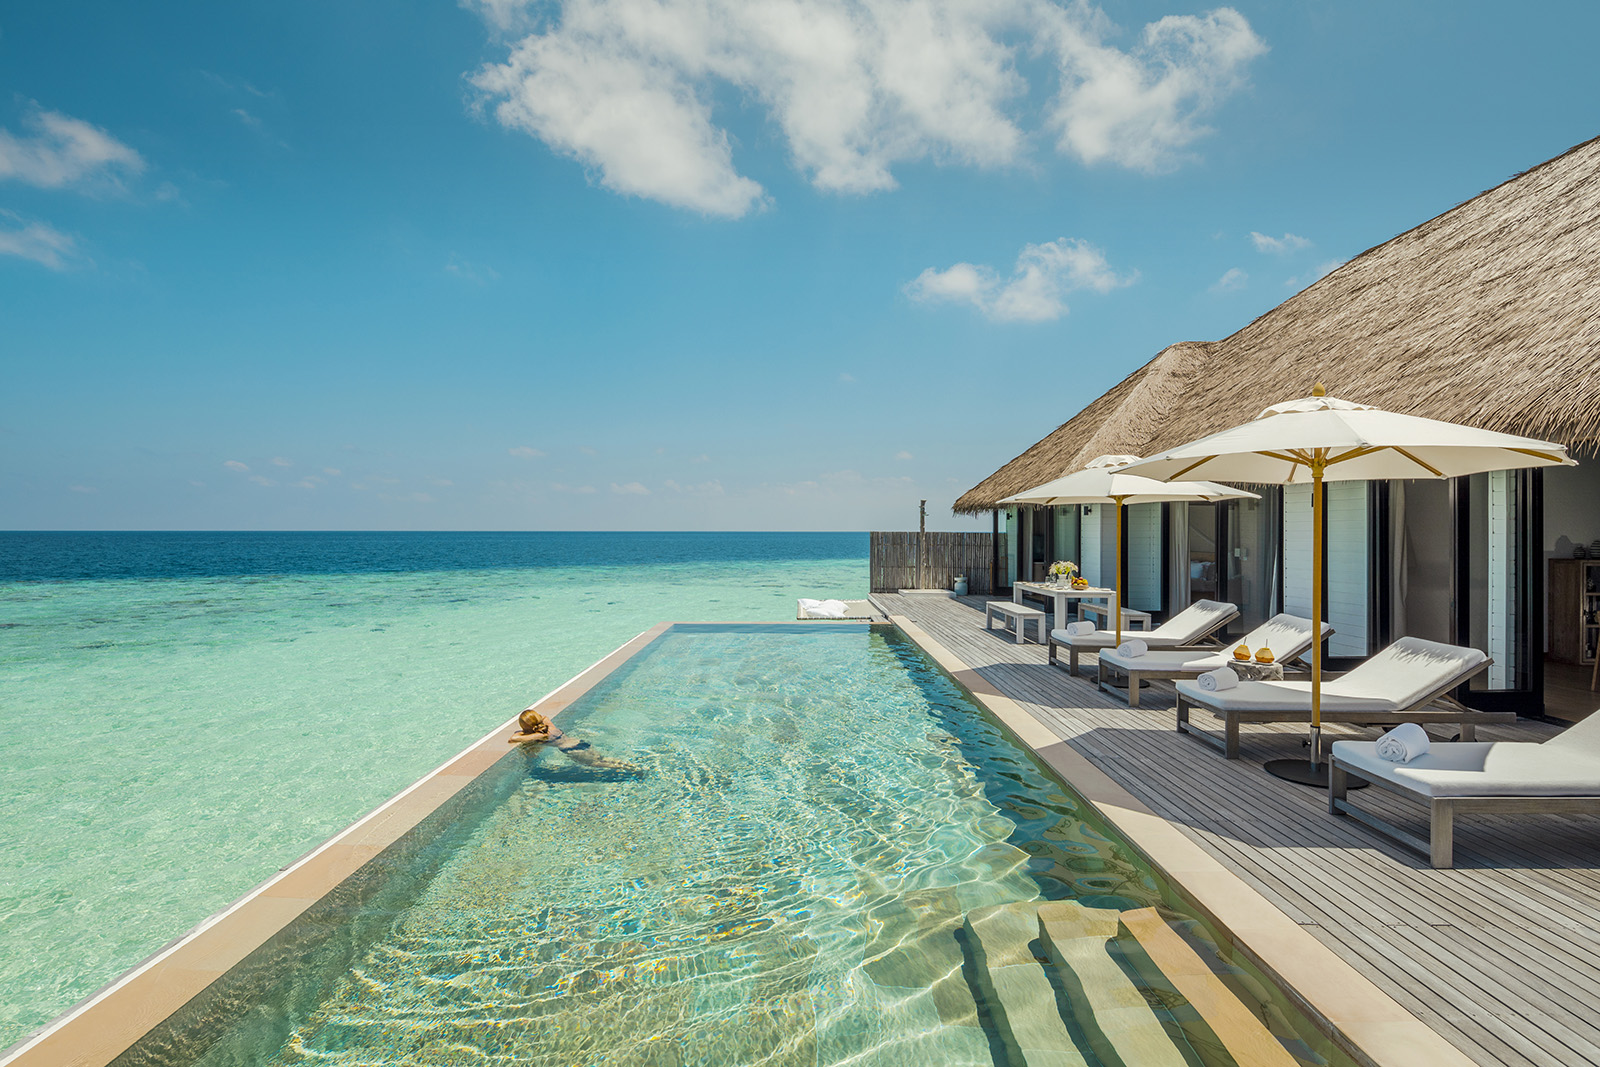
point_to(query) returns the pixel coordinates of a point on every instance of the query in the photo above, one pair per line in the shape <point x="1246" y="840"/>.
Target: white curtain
<point x="1399" y="558"/>
<point x="1178" y="564"/>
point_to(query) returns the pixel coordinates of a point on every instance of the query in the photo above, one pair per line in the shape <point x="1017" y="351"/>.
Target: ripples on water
<point x="785" y="883"/>
<point x="183" y="714"/>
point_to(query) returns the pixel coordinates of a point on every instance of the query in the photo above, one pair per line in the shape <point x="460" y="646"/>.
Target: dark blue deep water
<point x="75" y="555"/>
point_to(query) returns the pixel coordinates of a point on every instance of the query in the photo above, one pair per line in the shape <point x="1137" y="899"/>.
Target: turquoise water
<point x="186" y="714"/>
<point x="781" y="881"/>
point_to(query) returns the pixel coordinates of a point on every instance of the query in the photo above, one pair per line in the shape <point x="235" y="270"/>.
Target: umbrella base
<point x="1120" y="681"/>
<point x="1301" y="772"/>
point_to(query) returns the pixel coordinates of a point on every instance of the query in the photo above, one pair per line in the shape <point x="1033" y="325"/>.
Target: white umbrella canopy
<point x="1351" y="442"/>
<point x="1105" y="481"/>
<point x="1320" y="438"/>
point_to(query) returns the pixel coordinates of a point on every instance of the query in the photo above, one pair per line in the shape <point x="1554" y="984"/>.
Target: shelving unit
<point x="1574" y="610"/>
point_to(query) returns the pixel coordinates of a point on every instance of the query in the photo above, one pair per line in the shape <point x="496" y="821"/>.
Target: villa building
<point x="1487" y="315"/>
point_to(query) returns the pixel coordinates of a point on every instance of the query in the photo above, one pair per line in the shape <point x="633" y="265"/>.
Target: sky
<point x="682" y="264"/>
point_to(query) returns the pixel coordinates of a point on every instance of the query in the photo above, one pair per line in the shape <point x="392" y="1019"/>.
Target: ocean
<point x="184" y="714"/>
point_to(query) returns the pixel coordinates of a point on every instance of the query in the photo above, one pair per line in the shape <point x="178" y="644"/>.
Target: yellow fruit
<point x="1263" y="654"/>
<point x="1241" y="653"/>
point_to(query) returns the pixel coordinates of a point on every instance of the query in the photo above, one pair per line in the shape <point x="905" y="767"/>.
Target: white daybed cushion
<point x="1156" y="660"/>
<point x="1481" y="769"/>
<point x="1395" y="679"/>
<point x="1566" y="765"/>
<point x="1184" y="628"/>
<point x="1286" y="635"/>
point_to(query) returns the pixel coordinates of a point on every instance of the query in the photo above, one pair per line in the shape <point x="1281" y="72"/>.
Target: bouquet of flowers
<point x="1063" y="570"/>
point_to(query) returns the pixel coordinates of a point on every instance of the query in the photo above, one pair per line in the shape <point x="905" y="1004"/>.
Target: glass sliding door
<point x="1204" y="581"/>
<point x="1496" y="527"/>
<point x="1252" y="557"/>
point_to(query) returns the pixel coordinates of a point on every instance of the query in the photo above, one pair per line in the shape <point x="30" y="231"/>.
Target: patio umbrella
<point x="1320" y="438"/>
<point x="1105" y="481"/>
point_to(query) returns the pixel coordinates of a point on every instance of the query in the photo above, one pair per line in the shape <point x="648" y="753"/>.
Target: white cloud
<point x="61" y="151"/>
<point x="904" y="455"/>
<point x="1317" y="273"/>
<point x="854" y="87"/>
<point x="259" y="480"/>
<point x="83" y="488"/>
<point x="279" y="461"/>
<point x="847" y="378"/>
<point x="332" y="472"/>
<point x="1141" y="108"/>
<point x="1037" y="288"/>
<point x="701" y="458"/>
<point x="586" y="450"/>
<point x="630" y="489"/>
<point x="35" y="241"/>
<point x="307" y="483"/>
<point x="235" y="465"/>
<point x="1289" y="242"/>
<point x="1232" y="280"/>
<point x="582" y="490"/>
<point x="525" y="452"/>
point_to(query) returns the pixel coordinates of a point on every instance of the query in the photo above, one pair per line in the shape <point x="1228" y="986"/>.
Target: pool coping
<point x="1364" y="1021"/>
<point x="108" y="1022"/>
<point x="1361" y="1019"/>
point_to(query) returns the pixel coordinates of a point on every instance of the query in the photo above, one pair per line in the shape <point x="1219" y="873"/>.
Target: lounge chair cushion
<point x="1185" y="628"/>
<point x="1156" y="661"/>
<point x="1286" y="635"/>
<point x="1481" y="769"/>
<point x="1399" y="677"/>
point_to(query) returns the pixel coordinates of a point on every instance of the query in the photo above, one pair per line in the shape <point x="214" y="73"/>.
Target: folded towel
<point x="1218" y="680"/>
<point x="824" y="609"/>
<point x="1403" y="744"/>
<point x="1132" y="648"/>
<point x="1077" y="629"/>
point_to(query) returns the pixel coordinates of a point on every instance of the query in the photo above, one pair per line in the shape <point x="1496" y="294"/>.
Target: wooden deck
<point x="1501" y="955"/>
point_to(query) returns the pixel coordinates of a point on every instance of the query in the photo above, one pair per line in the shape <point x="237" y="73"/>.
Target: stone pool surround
<point x="1354" y="1013"/>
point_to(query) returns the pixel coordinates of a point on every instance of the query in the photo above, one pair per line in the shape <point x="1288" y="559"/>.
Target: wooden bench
<point x="1019" y="615"/>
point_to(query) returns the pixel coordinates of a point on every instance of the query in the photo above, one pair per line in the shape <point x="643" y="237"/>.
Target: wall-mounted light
<point x="1088" y="509"/>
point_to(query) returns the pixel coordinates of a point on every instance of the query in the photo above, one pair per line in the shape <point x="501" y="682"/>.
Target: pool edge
<point x="111" y="1020"/>
<point x="1363" y="1020"/>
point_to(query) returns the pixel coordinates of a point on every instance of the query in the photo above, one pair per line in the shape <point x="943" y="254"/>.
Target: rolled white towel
<point x="1078" y="629"/>
<point x="1403" y="744"/>
<point x="1132" y="648"/>
<point x="1218" y="680"/>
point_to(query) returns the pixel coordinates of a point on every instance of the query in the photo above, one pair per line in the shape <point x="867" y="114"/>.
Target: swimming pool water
<point x="781" y="881"/>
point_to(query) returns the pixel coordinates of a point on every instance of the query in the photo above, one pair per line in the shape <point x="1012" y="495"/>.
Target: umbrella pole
<point x="1296" y="769"/>
<point x="1116" y="604"/>
<point x="1316" y="612"/>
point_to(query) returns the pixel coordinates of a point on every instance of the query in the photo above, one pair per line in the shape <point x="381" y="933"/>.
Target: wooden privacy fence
<point x="931" y="561"/>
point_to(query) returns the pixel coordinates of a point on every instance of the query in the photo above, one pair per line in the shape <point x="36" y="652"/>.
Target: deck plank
<point x="1500" y="955"/>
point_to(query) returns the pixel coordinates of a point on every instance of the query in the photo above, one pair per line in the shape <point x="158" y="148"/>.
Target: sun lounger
<point x="1392" y="687"/>
<point x="1503" y="777"/>
<point x="1287" y="635"/>
<point x="1185" y="630"/>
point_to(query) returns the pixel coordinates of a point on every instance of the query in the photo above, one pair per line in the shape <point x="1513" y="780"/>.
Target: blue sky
<point x="686" y="264"/>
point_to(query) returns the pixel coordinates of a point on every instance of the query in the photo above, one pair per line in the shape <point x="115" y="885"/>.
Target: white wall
<point x="1297" y="550"/>
<point x="1347" y="552"/>
<point x="1144" y="557"/>
<point x="1349" y="580"/>
<point x="1089" y="544"/>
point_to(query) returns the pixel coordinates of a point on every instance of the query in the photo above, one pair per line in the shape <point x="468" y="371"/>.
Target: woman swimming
<point x="535" y="729"/>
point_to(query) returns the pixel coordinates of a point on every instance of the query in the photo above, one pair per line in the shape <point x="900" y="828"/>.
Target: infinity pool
<point x="780" y="877"/>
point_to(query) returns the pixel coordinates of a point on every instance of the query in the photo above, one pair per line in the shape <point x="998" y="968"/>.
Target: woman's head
<point x="532" y="722"/>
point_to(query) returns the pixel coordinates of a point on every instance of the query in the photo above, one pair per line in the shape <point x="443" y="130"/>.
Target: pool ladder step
<point x="1086" y="1009"/>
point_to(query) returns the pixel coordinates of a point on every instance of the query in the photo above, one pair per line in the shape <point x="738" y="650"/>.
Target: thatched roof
<point x="1488" y="314"/>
